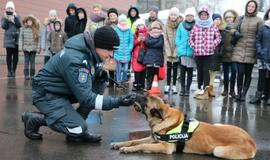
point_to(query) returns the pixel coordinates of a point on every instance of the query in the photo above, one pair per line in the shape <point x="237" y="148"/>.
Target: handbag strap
<point x="240" y="23"/>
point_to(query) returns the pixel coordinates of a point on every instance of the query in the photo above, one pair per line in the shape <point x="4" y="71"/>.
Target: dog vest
<point x="180" y="134"/>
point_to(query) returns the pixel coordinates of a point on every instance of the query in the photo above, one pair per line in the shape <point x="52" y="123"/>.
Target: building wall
<point x="40" y="8"/>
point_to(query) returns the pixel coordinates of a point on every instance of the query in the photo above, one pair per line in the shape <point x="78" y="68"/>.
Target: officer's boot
<point x="32" y="122"/>
<point x="257" y="98"/>
<point x="26" y="74"/>
<point x="32" y="73"/>
<point x="90" y="137"/>
<point x="86" y="137"/>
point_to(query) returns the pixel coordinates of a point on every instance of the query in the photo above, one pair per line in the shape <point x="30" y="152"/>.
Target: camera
<point x="9" y="13"/>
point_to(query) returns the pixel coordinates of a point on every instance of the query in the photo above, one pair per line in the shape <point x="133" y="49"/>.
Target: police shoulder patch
<point x="83" y="75"/>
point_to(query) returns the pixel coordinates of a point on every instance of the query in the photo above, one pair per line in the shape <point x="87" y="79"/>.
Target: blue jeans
<point x="121" y="68"/>
<point x="226" y="67"/>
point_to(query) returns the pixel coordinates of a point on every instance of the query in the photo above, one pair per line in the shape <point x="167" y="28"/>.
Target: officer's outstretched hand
<point x="127" y="100"/>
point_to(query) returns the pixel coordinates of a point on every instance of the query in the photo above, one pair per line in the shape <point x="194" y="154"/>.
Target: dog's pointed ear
<point x="156" y="113"/>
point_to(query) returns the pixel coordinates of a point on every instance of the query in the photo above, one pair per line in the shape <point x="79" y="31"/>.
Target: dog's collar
<point x="180" y="134"/>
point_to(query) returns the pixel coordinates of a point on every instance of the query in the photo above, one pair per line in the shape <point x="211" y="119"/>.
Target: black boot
<point x="86" y="137"/>
<point x="9" y="74"/>
<point x="232" y="92"/>
<point x="32" y="73"/>
<point x="32" y="122"/>
<point x="243" y="95"/>
<point x="13" y="73"/>
<point x="135" y="87"/>
<point x="226" y="86"/>
<point x="26" y="74"/>
<point x="257" y="98"/>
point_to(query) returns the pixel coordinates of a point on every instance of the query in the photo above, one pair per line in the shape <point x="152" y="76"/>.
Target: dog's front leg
<point x="118" y="145"/>
<point x="162" y="147"/>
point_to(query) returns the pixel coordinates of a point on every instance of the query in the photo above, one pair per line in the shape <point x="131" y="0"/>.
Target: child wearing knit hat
<point x="11" y="23"/>
<point x="139" y="46"/>
<point x="170" y="49"/>
<point x="123" y="54"/>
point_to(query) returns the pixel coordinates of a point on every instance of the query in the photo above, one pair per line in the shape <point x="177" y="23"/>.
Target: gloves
<point x="127" y="100"/>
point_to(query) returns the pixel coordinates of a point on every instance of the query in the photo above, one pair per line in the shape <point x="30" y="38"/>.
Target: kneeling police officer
<point x="74" y="75"/>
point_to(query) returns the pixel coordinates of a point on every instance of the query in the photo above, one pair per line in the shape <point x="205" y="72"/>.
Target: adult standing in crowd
<point x="229" y="67"/>
<point x="170" y="49"/>
<point x="245" y="51"/>
<point x="112" y="21"/>
<point x="71" y="20"/>
<point x="204" y="38"/>
<point x="112" y="17"/>
<point x="185" y="52"/>
<point x="216" y="57"/>
<point x="47" y="29"/>
<point x="97" y="18"/>
<point x="153" y="16"/>
<point x="29" y="43"/>
<point x="10" y="22"/>
<point x="154" y="57"/>
<point x="263" y="60"/>
<point x="133" y="15"/>
<point x="81" y="20"/>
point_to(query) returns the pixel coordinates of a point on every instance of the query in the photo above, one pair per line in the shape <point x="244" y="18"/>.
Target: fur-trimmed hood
<point x="36" y="23"/>
<point x="231" y="11"/>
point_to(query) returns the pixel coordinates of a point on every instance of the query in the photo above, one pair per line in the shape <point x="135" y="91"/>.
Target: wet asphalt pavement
<point x="120" y="125"/>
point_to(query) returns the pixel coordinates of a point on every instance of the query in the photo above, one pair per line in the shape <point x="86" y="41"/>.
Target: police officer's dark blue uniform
<point x="73" y="75"/>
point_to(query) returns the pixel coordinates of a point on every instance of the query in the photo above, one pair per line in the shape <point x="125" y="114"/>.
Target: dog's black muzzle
<point x="140" y="102"/>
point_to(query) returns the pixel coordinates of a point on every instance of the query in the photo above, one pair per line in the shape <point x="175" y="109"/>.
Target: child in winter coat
<point x="204" y="38"/>
<point x="170" y="49"/>
<point x="185" y="52"/>
<point x="154" y="57"/>
<point x="81" y="20"/>
<point x="48" y="27"/>
<point x="57" y="38"/>
<point x="229" y="67"/>
<point x="29" y="43"/>
<point x="138" y="68"/>
<point x="123" y="54"/>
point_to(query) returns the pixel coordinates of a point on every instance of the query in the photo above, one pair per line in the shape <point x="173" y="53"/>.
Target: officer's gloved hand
<point x="127" y="100"/>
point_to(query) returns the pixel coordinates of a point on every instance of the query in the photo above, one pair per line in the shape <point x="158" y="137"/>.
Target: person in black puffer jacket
<point x="154" y="57"/>
<point x="81" y="20"/>
<point x="71" y="20"/>
<point x="263" y="60"/>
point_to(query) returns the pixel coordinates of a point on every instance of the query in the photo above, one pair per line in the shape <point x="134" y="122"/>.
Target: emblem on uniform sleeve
<point x="83" y="75"/>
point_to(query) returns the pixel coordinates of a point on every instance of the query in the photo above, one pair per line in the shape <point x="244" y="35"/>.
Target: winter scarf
<point x="122" y="28"/>
<point x="173" y="24"/>
<point x="205" y="23"/>
<point x="188" y="25"/>
<point x="155" y="33"/>
<point x="97" y="18"/>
